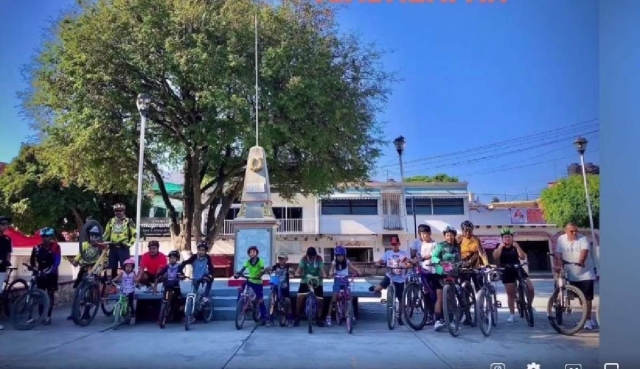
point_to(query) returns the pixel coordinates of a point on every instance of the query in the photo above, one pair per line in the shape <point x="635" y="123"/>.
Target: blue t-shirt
<point x="392" y="259"/>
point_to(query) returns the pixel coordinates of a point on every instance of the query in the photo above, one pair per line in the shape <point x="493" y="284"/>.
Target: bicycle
<point x="418" y="295"/>
<point x="522" y="294"/>
<point x="311" y="304"/>
<point x="560" y="303"/>
<point x="393" y="309"/>
<point x="166" y="308"/>
<point x="344" y="303"/>
<point x="11" y="291"/>
<point x="87" y="296"/>
<point x="34" y="297"/>
<point x="246" y="305"/>
<point x="195" y="304"/>
<point x="278" y="304"/>
<point x="121" y="310"/>
<point x="487" y="303"/>
<point x="456" y="301"/>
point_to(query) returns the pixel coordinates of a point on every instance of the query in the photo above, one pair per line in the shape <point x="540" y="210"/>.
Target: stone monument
<point x="255" y="224"/>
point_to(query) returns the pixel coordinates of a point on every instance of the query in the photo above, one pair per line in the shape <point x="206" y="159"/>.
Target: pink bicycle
<point x="344" y="302"/>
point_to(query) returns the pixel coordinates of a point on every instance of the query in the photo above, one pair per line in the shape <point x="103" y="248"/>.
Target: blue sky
<point x="487" y="76"/>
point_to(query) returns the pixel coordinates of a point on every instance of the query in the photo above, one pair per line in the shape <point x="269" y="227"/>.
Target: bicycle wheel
<point x="470" y="303"/>
<point x="14" y="289"/>
<point x="494" y="309"/>
<point x="556" y="308"/>
<point x="484" y="307"/>
<point x="451" y="310"/>
<point x="188" y="312"/>
<point x="33" y="302"/>
<point x="282" y="311"/>
<point x="348" y="316"/>
<point x="207" y="310"/>
<point x="528" y="309"/>
<point x="240" y="312"/>
<point x="165" y="311"/>
<point x="310" y="309"/>
<point x="85" y="305"/>
<point x="391" y="306"/>
<point x="105" y="304"/>
<point x="118" y="318"/>
<point x="255" y="312"/>
<point x="414" y="312"/>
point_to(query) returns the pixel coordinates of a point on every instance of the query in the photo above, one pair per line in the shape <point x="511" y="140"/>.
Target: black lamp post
<point x="581" y="146"/>
<point x="400" y="143"/>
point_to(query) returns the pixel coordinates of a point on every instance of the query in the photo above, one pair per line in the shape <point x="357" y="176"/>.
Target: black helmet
<point x="203" y="245"/>
<point x="311" y="251"/>
<point x="174" y="254"/>
<point x="253" y="248"/>
<point x="450" y="229"/>
<point x="4" y="218"/>
<point x="423" y="228"/>
<point x="466" y="225"/>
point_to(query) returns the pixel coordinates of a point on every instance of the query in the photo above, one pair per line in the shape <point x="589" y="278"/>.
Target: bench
<point x="223" y="264"/>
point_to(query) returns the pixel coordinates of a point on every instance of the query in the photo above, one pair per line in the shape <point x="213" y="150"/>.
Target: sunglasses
<point x="118" y="211"/>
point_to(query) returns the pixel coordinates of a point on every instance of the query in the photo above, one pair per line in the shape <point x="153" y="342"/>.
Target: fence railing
<point x="285" y="226"/>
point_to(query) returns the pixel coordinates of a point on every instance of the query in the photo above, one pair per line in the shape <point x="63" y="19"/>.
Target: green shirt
<point x="255" y="271"/>
<point x="124" y="232"/>
<point x="444" y="252"/>
<point x="311" y="268"/>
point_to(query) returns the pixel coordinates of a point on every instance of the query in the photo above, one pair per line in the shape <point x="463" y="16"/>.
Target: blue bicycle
<point x="278" y="305"/>
<point x="311" y="305"/>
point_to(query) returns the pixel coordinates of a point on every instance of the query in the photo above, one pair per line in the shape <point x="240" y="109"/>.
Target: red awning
<point x="18" y="239"/>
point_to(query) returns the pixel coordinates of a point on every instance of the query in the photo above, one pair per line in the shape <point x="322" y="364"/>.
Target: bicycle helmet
<point x="5" y="219"/>
<point x="466" y="225"/>
<point x="253" y="248"/>
<point x="129" y="261"/>
<point x="311" y="251"/>
<point x="94" y="231"/>
<point x="282" y="255"/>
<point x="450" y="229"/>
<point x="174" y="254"/>
<point x="340" y="251"/>
<point x="47" y="232"/>
<point x="506" y="232"/>
<point x="203" y="245"/>
<point x="119" y="206"/>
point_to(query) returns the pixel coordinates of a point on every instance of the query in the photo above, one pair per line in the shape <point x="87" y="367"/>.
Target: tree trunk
<point x="78" y="218"/>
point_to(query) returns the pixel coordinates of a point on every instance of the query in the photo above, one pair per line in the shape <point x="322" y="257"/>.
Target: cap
<point x="394" y="240"/>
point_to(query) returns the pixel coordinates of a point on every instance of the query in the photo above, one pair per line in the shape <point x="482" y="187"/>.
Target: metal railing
<point x="285" y="226"/>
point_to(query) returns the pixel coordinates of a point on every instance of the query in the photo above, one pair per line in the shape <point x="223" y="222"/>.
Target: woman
<point x="444" y="252"/>
<point x="510" y="253"/>
<point x="310" y="265"/>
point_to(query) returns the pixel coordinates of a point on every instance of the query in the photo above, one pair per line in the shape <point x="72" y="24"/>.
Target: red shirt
<point x="152" y="265"/>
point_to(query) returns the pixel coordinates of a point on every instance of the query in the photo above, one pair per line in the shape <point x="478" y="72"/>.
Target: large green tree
<point x="441" y="177"/>
<point x="566" y="201"/>
<point x="319" y="95"/>
<point x="36" y="198"/>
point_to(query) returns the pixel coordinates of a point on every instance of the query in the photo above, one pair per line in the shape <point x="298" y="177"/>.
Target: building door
<point x="537" y="255"/>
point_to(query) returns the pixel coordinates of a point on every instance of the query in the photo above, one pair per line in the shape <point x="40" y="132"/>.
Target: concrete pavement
<point x="219" y="345"/>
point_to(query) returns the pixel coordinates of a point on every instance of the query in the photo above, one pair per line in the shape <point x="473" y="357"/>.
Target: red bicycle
<point x="344" y="302"/>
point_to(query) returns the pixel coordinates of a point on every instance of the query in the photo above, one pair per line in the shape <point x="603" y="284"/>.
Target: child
<point x="169" y="276"/>
<point x="128" y="278"/>
<point x="256" y="270"/>
<point x="88" y="257"/>
<point x="282" y="270"/>
<point x="202" y="269"/>
<point x="340" y="268"/>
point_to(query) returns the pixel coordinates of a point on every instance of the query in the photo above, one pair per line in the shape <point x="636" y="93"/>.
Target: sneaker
<point x="269" y="324"/>
<point x="1" y="327"/>
<point x="289" y="323"/>
<point x="589" y="324"/>
<point x="400" y="322"/>
<point x="296" y="322"/>
<point x="47" y="321"/>
<point x="512" y="318"/>
<point x="132" y="321"/>
<point x="438" y="325"/>
<point x="263" y="323"/>
<point x="328" y="321"/>
<point x="320" y="323"/>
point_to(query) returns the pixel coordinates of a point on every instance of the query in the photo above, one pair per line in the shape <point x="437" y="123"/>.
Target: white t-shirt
<point x="425" y="250"/>
<point x="393" y="260"/>
<point x="570" y="251"/>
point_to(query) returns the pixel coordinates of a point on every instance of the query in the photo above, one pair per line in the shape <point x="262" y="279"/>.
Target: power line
<point x="508" y="143"/>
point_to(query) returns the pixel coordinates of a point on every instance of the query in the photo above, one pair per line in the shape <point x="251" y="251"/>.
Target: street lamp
<point x="142" y="102"/>
<point x="581" y="146"/>
<point x="399" y="143"/>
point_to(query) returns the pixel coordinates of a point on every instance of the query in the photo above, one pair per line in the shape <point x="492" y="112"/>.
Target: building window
<point x="350" y="207"/>
<point x="159" y="213"/>
<point x="422" y="206"/>
<point x="287" y="213"/>
<point x="232" y="213"/>
<point x="448" y="206"/>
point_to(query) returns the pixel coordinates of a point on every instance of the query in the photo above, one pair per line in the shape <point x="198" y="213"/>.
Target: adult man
<point x="46" y="258"/>
<point x="5" y="251"/>
<point x="122" y="233"/>
<point x="574" y="248"/>
<point x="152" y="262"/>
<point x="396" y="263"/>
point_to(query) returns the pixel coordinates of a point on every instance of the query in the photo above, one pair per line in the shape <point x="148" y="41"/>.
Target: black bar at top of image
<point x="620" y="133"/>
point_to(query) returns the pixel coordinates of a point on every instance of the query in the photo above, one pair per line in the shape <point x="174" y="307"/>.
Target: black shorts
<point x="117" y="256"/>
<point x="510" y="275"/>
<point x="435" y="281"/>
<point x="386" y="282"/>
<point x="475" y="278"/>
<point x="47" y="282"/>
<point x="151" y="278"/>
<point x="304" y="288"/>
<point x="586" y="287"/>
